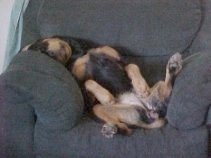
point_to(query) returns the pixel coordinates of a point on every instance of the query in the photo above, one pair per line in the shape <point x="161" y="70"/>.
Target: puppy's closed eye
<point x="51" y="54"/>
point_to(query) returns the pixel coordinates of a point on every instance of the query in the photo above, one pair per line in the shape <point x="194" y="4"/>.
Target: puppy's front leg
<point x="163" y="88"/>
<point x="139" y="84"/>
<point x="173" y="67"/>
<point x="102" y="94"/>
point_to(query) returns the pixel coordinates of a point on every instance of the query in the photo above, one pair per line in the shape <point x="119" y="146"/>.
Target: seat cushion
<point x="144" y="27"/>
<point x="86" y="141"/>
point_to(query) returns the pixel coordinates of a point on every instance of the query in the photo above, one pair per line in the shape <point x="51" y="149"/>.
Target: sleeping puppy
<point x="123" y="97"/>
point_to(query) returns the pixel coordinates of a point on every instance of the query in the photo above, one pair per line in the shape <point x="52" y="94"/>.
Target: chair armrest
<point x="191" y="95"/>
<point x="37" y="96"/>
<point x="54" y="94"/>
<point x="16" y="121"/>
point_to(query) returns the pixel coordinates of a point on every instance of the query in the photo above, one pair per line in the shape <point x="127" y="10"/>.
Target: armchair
<point x="41" y="106"/>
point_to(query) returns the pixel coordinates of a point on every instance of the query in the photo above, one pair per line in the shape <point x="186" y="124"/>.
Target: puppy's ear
<point x="39" y="46"/>
<point x="78" y="49"/>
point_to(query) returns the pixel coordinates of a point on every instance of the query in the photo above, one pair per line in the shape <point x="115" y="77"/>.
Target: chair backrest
<point x="144" y="27"/>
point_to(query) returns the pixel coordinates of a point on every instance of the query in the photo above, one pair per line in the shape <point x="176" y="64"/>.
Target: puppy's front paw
<point x="175" y="64"/>
<point x="108" y="130"/>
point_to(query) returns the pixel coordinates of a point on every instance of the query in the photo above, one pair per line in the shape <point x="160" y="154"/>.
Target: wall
<point x="5" y="12"/>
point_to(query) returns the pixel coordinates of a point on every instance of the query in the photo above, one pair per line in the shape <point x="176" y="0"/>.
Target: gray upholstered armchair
<point x="41" y="106"/>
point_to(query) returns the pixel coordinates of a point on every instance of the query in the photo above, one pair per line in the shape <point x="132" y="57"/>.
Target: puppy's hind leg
<point x="139" y="84"/>
<point x="102" y="94"/>
<point x="113" y="124"/>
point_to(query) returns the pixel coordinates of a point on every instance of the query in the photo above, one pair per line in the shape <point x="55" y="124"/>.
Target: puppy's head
<point x="53" y="47"/>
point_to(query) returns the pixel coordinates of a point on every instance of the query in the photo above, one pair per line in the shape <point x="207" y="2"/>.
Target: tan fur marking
<point x="139" y="84"/>
<point x="107" y="51"/>
<point x="54" y="44"/>
<point x="164" y="90"/>
<point x="102" y="94"/>
<point x="119" y="116"/>
<point x="79" y="67"/>
<point x="106" y="115"/>
<point x="60" y="48"/>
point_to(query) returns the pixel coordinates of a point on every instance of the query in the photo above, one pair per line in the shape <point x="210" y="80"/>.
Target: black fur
<point x="144" y="115"/>
<point x="39" y="46"/>
<point x="109" y="73"/>
<point x="161" y="106"/>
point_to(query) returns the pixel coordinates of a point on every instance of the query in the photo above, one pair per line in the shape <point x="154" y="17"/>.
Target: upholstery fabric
<point x="203" y="39"/>
<point x="144" y="27"/>
<point x="55" y="93"/>
<point x="86" y="141"/>
<point x="30" y="28"/>
<point x="194" y="86"/>
<point x="35" y="88"/>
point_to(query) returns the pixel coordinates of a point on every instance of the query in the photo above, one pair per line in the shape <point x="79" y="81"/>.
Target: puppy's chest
<point x="130" y="98"/>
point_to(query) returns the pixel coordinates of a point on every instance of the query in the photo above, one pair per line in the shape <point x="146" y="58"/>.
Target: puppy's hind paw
<point x="108" y="130"/>
<point x="175" y="64"/>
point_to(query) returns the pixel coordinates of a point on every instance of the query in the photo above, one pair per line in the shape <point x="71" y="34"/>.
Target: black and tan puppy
<point x="123" y="97"/>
